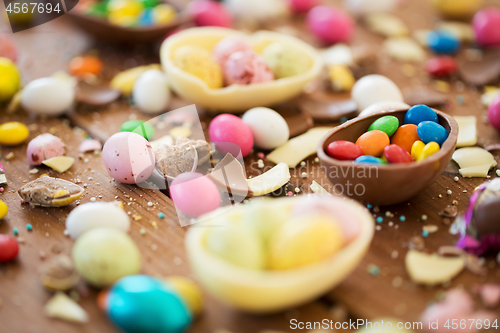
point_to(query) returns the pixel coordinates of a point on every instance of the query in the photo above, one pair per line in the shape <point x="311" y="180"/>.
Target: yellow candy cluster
<point x="267" y="238"/>
<point x="420" y="151"/>
<point x="285" y="61"/>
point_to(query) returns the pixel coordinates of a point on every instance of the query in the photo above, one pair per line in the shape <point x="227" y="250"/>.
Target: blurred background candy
<point x="10" y="79"/>
<point x="44" y="147"/>
<point x="7" y="48"/>
<point x="199" y="62"/>
<point x="363" y="7"/>
<point x="457" y="9"/>
<point x="486" y="25"/>
<point x="330" y="24"/>
<point x="210" y="13"/>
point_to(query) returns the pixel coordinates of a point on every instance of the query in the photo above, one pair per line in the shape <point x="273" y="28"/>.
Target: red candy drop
<point x="396" y="154"/>
<point x="344" y="150"/>
<point x="9" y="248"/>
<point x="441" y="66"/>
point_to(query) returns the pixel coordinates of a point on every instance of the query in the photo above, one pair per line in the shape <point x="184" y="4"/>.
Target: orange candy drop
<point x="373" y="143"/>
<point x="405" y="136"/>
<point x="85" y="65"/>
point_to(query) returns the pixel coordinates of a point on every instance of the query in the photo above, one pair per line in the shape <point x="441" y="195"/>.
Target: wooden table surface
<point x="48" y="48"/>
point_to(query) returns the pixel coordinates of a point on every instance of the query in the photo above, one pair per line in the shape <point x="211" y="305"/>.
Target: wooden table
<point x="48" y="48"/>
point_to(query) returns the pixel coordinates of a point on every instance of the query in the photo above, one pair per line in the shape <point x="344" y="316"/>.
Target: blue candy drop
<point x="443" y="42"/>
<point x="418" y="113"/>
<point x="430" y="131"/>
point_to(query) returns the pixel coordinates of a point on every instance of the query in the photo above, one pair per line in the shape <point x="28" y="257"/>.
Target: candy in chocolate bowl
<point x="480" y="231"/>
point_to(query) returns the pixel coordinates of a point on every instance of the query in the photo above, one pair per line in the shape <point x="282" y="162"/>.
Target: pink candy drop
<point x="194" y="194"/>
<point x="330" y="25"/>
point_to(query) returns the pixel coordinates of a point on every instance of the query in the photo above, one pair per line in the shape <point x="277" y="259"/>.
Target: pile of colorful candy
<point x="130" y="13"/>
<point x="233" y="61"/>
<point x="419" y="137"/>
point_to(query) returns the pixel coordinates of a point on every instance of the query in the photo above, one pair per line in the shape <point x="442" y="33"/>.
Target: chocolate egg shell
<point x="482" y="232"/>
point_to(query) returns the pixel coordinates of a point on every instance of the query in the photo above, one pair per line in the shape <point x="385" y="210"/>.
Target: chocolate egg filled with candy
<point x="140" y="303"/>
<point x="481" y="232"/>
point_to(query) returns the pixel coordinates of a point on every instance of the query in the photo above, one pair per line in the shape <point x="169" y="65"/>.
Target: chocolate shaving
<point x="452" y="251"/>
<point x="481" y="72"/>
<point x="95" y="95"/>
<point x="450" y="211"/>
<point x="46" y="192"/>
<point x="328" y="110"/>
<point x="229" y="176"/>
<point x="424" y="95"/>
<point x="184" y="156"/>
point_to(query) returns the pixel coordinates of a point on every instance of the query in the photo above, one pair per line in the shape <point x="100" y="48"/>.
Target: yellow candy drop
<point x="125" y="7"/>
<point x="124" y="81"/>
<point x="430" y="149"/>
<point x="457" y="8"/>
<point x="416" y="149"/>
<point x="265" y="219"/>
<point x="189" y="292"/>
<point x="9" y="79"/>
<point x="304" y="241"/>
<point x="341" y="77"/>
<point x="236" y="243"/>
<point x="164" y="14"/>
<point x="122" y="20"/>
<point x="13" y="133"/>
<point x="3" y="209"/>
<point x="199" y="62"/>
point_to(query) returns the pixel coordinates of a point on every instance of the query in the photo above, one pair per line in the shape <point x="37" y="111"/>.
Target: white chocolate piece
<point x="386" y="25"/>
<point x="59" y="163"/>
<point x="270" y="180"/>
<point x="474" y="157"/>
<point x="431" y="269"/>
<point x="298" y="148"/>
<point x="63" y="307"/>
<point x="339" y="54"/>
<point x="467" y="133"/>
<point x="462" y="30"/>
<point x="404" y="49"/>
<point x="475" y="171"/>
<point x="318" y="189"/>
<point x="383" y="106"/>
<point x="488" y="97"/>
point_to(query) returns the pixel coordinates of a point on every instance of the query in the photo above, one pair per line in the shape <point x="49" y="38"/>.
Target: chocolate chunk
<point x="424" y="95"/>
<point x="229" y="176"/>
<point x="50" y="192"/>
<point x="328" y="110"/>
<point x="481" y="72"/>
<point x="172" y="160"/>
<point x="95" y="95"/>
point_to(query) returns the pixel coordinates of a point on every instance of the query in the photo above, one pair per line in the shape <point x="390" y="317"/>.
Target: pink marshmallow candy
<point x="246" y="67"/>
<point x="194" y="194"/>
<point x="44" y="147"/>
<point x="330" y="25"/>
<point x="231" y="135"/>
<point x="228" y="46"/>
<point x="486" y="25"/>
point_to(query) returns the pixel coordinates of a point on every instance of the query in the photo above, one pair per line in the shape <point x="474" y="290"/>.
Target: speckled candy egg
<point x="96" y="215"/>
<point x="375" y="88"/>
<point x="128" y="157"/>
<point x="140" y="303"/>
<point x="210" y="13"/>
<point x="48" y="96"/>
<point x="231" y="135"/>
<point x="194" y="194"/>
<point x="363" y="7"/>
<point x="330" y="25"/>
<point x="104" y="255"/>
<point x="151" y="93"/>
<point x="285" y="60"/>
<point x="44" y="147"/>
<point x="246" y="67"/>
<point x="228" y="46"/>
<point x="269" y="128"/>
<point x="199" y="62"/>
<point x="486" y="25"/>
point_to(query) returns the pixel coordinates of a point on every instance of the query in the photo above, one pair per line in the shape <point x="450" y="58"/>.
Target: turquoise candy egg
<point x="418" y="113"/>
<point x="386" y="124"/>
<point x="443" y="42"/>
<point x="142" y="304"/>
<point x="429" y="131"/>
<point x="367" y="159"/>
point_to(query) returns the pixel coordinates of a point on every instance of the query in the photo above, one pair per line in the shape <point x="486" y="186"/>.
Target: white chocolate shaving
<point x="60" y="163"/>
<point x="387" y="25"/>
<point x="298" y="148"/>
<point x="467" y="133"/>
<point x="339" y="54"/>
<point x="474" y="161"/>
<point x="63" y="307"/>
<point x="404" y="49"/>
<point x="270" y="180"/>
<point x="431" y="269"/>
<point x="318" y="189"/>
